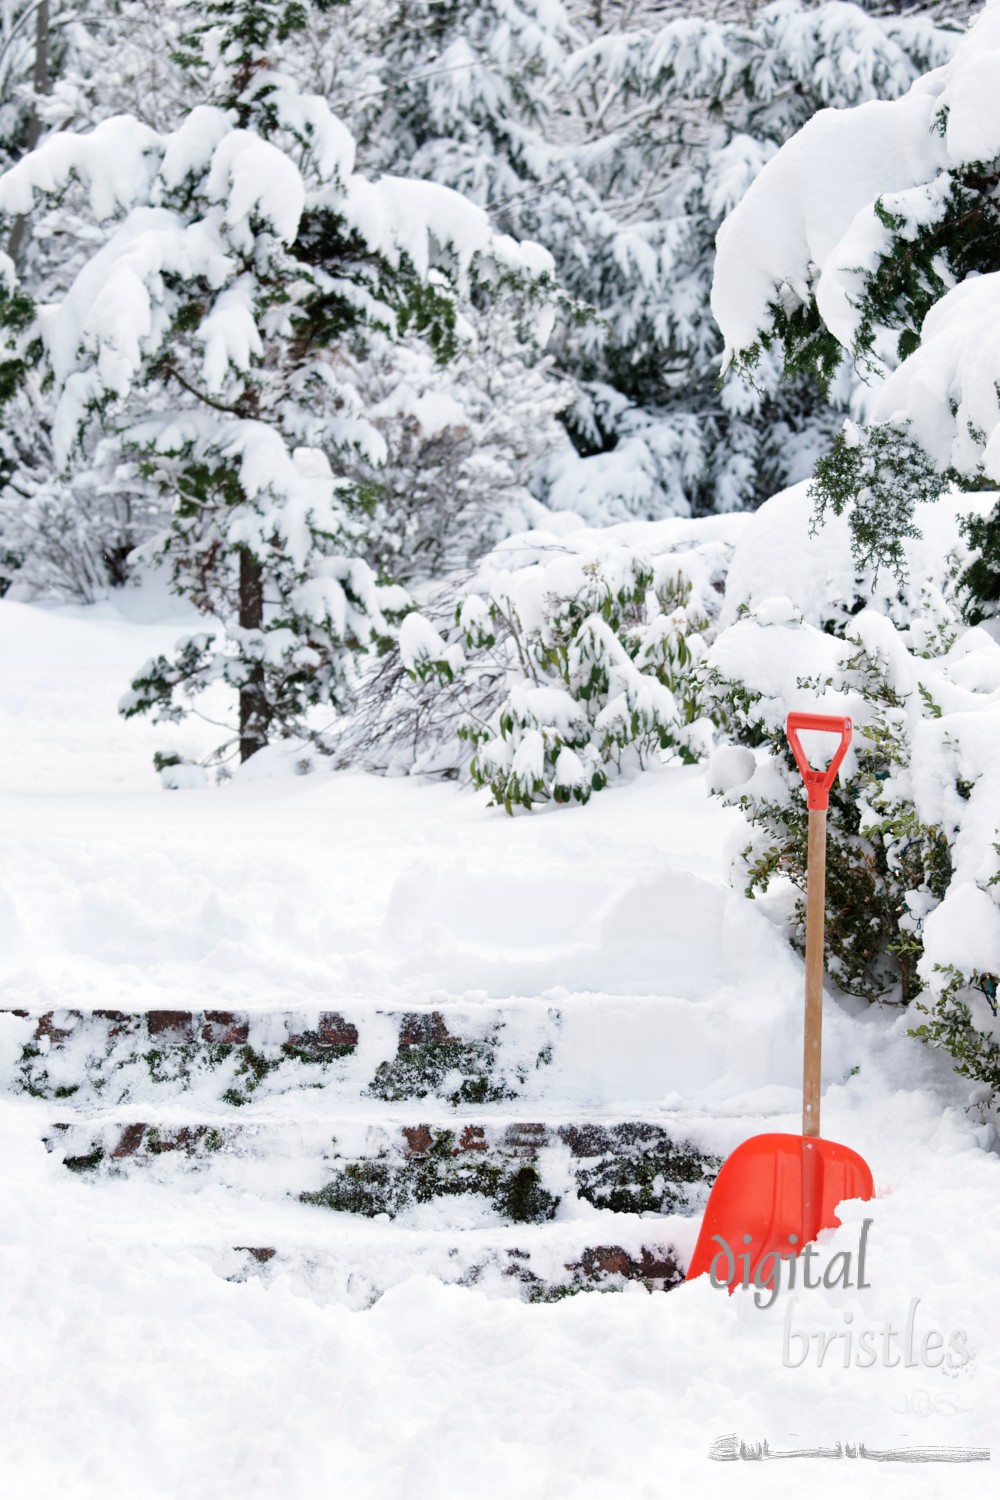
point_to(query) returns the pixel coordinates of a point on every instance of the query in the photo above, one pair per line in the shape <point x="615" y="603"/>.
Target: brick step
<point x="604" y="1051"/>
<point x="514" y="1169"/>
<point x="458" y="1055"/>
<point x="349" y="1149"/>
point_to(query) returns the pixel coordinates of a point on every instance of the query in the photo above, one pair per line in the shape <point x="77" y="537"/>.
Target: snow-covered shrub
<point x="912" y="890"/>
<point x="573" y="657"/>
<point x="884" y="866"/>
<point x="606" y="658"/>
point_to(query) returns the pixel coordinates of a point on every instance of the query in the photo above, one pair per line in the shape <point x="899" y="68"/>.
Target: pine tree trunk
<point x="41" y="83"/>
<point x="253" y="702"/>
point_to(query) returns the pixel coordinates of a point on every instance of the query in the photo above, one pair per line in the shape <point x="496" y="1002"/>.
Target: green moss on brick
<point x="419" y="1070"/>
<point x="84" y="1163"/>
<point x="637" y="1168"/>
<point x="386" y="1185"/>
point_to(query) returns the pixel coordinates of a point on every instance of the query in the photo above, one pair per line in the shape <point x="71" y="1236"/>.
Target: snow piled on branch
<point x="948" y="387"/>
<point x="139" y="183"/>
<point x="851" y="188"/>
<point x="398" y="216"/>
<point x="809" y="214"/>
<point x="116" y="163"/>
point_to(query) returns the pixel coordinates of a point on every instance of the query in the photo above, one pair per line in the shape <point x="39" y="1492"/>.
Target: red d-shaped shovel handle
<point x="818" y="783"/>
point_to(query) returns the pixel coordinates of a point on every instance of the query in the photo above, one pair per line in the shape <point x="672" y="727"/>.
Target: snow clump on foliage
<point x="913" y="870"/>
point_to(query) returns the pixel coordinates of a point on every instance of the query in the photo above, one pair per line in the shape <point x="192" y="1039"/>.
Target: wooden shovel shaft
<point x="815" y="917"/>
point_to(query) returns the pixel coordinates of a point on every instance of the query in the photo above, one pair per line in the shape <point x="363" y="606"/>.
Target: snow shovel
<point x="776" y="1192"/>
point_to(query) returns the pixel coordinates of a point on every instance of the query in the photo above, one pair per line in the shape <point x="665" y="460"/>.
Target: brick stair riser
<point x="521" y="1170"/>
<point x="104" y="1058"/>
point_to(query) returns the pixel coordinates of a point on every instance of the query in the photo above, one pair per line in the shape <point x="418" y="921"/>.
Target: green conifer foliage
<point x="906" y="287"/>
<point x="242" y="268"/>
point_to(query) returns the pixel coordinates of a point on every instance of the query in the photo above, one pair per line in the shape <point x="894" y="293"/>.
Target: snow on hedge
<point x="795" y="618"/>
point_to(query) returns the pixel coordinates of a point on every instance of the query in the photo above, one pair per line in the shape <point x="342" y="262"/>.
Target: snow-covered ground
<point x="133" y="1368"/>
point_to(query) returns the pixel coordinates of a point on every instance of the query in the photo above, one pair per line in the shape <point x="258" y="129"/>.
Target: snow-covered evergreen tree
<point x="622" y="151"/>
<point x="882" y="247"/>
<point x="457" y="450"/>
<point x="212" y="336"/>
<point x="691" y="110"/>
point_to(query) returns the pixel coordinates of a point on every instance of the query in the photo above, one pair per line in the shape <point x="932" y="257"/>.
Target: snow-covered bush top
<point x="573" y="654"/>
<point x="802" y="630"/>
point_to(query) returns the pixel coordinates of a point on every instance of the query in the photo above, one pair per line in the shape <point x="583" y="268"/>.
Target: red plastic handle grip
<point x="818" y="783"/>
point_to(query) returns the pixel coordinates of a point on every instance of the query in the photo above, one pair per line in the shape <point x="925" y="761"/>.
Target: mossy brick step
<point x="517" y="1170"/>
<point x="463" y="1056"/>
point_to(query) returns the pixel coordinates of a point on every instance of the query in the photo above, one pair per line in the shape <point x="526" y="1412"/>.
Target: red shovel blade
<point x="774" y="1194"/>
